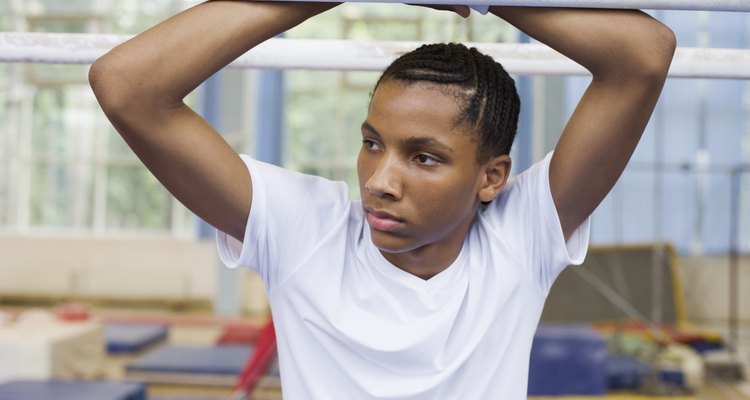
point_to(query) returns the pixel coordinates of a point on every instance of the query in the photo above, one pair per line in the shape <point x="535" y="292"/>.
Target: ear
<point x="494" y="176"/>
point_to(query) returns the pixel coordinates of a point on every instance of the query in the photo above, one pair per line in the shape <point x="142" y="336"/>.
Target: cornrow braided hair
<point x="482" y="86"/>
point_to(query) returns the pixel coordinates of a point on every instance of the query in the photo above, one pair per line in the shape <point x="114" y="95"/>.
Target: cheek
<point x="362" y="170"/>
<point x="446" y="197"/>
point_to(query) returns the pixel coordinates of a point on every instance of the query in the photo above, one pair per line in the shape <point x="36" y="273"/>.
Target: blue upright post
<point x="270" y="116"/>
<point x="227" y="299"/>
<point x="211" y="112"/>
<point x="524" y="143"/>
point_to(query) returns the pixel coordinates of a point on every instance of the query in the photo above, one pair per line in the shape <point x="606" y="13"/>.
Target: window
<point x="63" y="165"/>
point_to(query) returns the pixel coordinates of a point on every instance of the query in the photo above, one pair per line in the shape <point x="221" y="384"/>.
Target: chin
<point x="390" y="243"/>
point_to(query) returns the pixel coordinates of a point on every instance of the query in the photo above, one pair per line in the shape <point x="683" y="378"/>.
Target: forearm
<point x="162" y="65"/>
<point x="141" y="85"/>
<point x="628" y="54"/>
<point x="609" y="43"/>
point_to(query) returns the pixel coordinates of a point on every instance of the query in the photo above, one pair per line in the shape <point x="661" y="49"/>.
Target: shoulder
<point x="291" y="215"/>
<point x="523" y="188"/>
<point x="286" y="185"/>
<point x="519" y="214"/>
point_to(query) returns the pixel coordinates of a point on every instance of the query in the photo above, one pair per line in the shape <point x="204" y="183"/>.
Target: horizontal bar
<point x="348" y="55"/>
<point x="701" y="5"/>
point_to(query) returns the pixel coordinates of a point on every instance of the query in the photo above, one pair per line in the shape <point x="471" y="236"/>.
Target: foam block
<point x="567" y="360"/>
<point x="38" y="346"/>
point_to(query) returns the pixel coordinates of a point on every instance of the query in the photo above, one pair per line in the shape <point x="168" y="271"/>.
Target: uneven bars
<point x="696" y="5"/>
<point x="347" y="55"/>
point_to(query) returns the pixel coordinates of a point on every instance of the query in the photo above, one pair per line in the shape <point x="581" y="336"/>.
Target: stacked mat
<point x="72" y="390"/>
<point x="190" y="365"/>
<point x="133" y="338"/>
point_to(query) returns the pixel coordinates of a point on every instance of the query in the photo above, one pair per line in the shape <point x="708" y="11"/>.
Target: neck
<point x="431" y="259"/>
<point x="424" y="262"/>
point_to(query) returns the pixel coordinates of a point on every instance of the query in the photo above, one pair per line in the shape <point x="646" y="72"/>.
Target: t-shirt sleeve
<point x="290" y="214"/>
<point x="526" y="220"/>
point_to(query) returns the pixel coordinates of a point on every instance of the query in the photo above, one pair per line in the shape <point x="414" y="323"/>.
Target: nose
<point x="385" y="180"/>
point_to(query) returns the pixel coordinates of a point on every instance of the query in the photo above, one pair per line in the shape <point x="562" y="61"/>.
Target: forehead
<point x="418" y="108"/>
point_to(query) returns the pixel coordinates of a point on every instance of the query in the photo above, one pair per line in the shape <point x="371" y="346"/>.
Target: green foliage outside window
<point x="62" y="166"/>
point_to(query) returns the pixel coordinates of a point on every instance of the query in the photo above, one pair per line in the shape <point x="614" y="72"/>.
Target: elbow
<point x="120" y="88"/>
<point x="108" y="86"/>
<point x="655" y="54"/>
<point x="645" y="57"/>
<point x="660" y="52"/>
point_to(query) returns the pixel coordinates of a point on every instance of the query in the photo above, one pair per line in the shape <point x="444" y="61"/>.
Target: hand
<point x="461" y="10"/>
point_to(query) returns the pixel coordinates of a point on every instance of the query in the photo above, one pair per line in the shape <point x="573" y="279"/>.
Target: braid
<point x="487" y="92"/>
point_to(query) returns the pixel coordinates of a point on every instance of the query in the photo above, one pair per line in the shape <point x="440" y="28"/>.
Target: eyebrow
<point x="366" y="125"/>
<point x="415" y="141"/>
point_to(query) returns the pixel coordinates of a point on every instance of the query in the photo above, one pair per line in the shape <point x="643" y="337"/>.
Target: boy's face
<point x="419" y="179"/>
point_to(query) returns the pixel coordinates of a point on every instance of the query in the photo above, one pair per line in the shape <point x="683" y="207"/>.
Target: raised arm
<point x="628" y="53"/>
<point x="141" y="85"/>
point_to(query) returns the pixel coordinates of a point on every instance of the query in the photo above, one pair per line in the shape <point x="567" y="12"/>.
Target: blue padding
<point x="72" y="390"/>
<point x="222" y="360"/>
<point x="672" y="377"/>
<point x="131" y="338"/>
<point x="567" y="360"/>
<point x="626" y="373"/>
<point x="704" y="347"/>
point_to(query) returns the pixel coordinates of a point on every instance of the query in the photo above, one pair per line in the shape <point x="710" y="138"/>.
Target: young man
<point x="432" y="285"/>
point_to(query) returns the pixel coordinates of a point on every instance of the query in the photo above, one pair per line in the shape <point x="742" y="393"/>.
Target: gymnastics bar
<point x="347" y="55"/>
<point x="696" y="5"/>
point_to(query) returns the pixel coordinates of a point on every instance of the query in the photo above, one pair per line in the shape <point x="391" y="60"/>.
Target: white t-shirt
<point x="350" y="325"/>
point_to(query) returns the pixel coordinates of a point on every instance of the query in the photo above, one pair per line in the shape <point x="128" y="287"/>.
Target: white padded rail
<point x="702" y="5"/>
<point x="348" y="55"/>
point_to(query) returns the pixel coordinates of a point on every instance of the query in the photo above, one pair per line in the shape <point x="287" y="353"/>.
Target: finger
<point x="463" y="11"/>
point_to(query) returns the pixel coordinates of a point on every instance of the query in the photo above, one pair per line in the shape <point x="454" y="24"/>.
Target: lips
<point x="382" y="221"/>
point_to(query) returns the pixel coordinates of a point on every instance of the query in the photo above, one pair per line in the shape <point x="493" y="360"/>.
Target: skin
<point x="141" y="90"/>
<point x="419" y="180"/>
<point x="628" y="54"/>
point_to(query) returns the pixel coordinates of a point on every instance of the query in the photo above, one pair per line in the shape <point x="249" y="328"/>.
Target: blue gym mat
<point x="625" y="373"/>
<point x="567" y="360"/>
<point x="131" y="338"/>
<point x="72" y="390"/>
<point x="221" y="360"/>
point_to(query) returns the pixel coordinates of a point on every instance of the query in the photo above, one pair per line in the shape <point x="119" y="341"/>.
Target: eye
<point x="426" y="159"/>
<point x="370" y="144"/>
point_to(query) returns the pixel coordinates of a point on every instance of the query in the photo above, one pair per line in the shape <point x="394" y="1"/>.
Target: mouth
<point x="382" y="221"/>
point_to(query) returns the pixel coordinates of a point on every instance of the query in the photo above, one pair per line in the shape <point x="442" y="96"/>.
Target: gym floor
<point x="207" y="334"/>
<point x="199" y="327"/>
